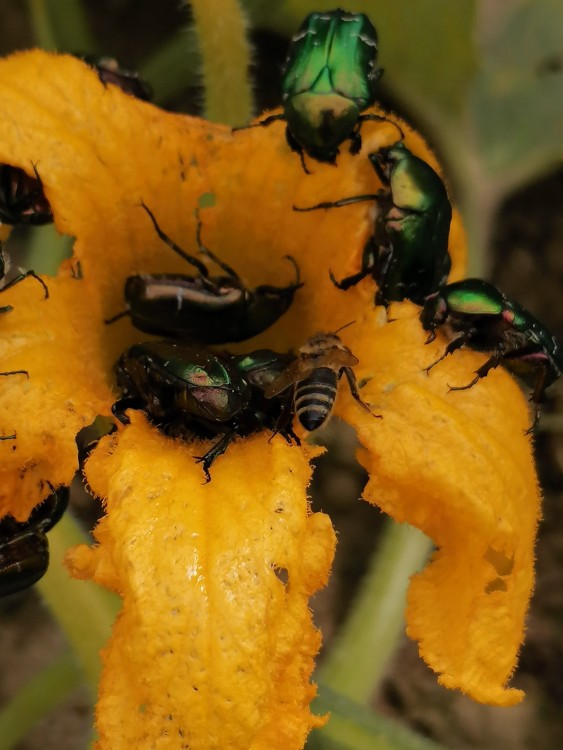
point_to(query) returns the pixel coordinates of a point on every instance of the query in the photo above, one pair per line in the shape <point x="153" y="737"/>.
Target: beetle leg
<point x="349" y="280"/>
<point x="451" y="347"/>
<point x="22" y="277"/>
<point x="339" y="203"/>
<point x="201" y="267"/>
<point x="119" y="408"/>
<point x="6" y="309"/>
<point x="210" y="254"/>
<point x="16" y="372"/>
<point x="537" y="398"/>
<point x="214" y="452"/>
<point x="353" y="385"/>
<point x="122" y="314"/>
<point x="76" y="270"/>
<point x="261" y="123"/>
<point x="35" y="193"/>
<point x="283" y="422"/>
<point x="295" y="146"/>
<point x="356" y="140"/>
<point x="8" y="437"/>
<point x="368" y="265"/>
<point x="539" y="386"/>
<point x="379" y="118"/>
<point x="481" y="372"/>
<point x="297" y="283"/>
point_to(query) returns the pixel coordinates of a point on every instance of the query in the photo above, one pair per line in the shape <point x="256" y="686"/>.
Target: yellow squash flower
<point x="214" y="645"/>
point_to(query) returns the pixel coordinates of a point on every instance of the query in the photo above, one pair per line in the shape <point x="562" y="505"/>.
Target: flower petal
<point x="456" y="465"/>
<point x="56" y="340"/>
<point x="459" y="466"/>
<point x="100" y="153"/>
<point x="214" y="643"/>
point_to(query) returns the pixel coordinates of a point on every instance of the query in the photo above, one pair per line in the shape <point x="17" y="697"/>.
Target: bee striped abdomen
<point x="314" y="397"/>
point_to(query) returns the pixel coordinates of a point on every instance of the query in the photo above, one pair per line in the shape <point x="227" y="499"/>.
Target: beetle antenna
<point x="171" y="244"/>
<point x="209" y="253"/>
<point x="109" y="321"/>
<point x="380" y="118"/>
<point x="346" y="325"/>
<point x="292" y="260"/>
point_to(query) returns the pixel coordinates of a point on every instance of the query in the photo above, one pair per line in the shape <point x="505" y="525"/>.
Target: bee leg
<point x="352" y="383"/>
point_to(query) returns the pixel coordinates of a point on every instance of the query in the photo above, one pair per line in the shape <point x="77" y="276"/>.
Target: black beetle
<point x="203" y="308"/>
<point x="24" y="549"/>
<point x="110" y="71"/>
<point x="22" y="200"/>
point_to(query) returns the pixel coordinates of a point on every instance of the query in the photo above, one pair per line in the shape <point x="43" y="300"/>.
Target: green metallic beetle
<point x="192" y="392"/>
<point x="475" y="313"/>
<point x="330" y="77"/>
<point x="407" y="255"/>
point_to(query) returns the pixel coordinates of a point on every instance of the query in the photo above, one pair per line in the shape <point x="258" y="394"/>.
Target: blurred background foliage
<point x="483" y="81"/>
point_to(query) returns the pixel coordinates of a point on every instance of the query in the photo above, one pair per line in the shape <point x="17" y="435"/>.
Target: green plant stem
<point x="355" y="727"/>
<point x="84" y="611"/>
<point x="172" y="68"/>
<point x="61" y="25"/>
<point x="367" y="641"/>
<point x="43" y="692"/>
<point x="41" y="24"/>
<point x="226" y="54"/>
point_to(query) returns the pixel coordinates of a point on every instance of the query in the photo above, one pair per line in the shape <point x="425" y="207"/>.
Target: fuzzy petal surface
<point x="457" y="465"/>
<point x="214" y="645"/>
<point x="57" y="341"/>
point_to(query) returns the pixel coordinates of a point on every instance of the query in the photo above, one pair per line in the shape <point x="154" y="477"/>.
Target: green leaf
<point x="173" y="67"/>
<point x="517" y="100"/>
<point x="368" y="638"/>
<point x="61" y="25"/>
<point x="83" y="610"/>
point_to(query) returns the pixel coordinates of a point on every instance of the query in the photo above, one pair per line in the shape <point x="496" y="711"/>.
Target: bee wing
<point x="302" y="367"/>
<point x="335" y="359"/>
<point x="293" y="373"/>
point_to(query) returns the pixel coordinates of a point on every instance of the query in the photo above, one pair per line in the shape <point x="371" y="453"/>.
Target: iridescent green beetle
<point x="330" y="77"/>
<point x="474" y="313"/>
<point x="194" y="393"/>
<point x="408" y="254"/>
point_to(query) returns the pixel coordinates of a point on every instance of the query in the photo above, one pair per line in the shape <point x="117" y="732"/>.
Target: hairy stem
<point x="226" y="53"/>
